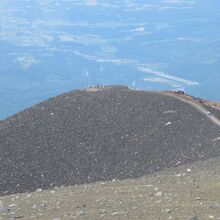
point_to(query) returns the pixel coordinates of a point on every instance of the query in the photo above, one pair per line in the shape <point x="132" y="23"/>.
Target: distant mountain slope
<point x="101" y="134"/>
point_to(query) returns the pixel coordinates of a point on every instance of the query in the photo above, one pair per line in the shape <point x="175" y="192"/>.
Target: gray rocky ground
<point x="189" y="192"/>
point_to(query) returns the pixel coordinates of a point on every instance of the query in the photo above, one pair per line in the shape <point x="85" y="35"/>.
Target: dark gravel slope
<point x="83" y="136"/>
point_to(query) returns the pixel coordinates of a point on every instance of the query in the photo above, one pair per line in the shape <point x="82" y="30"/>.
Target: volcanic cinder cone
<point x="101" y="134"/>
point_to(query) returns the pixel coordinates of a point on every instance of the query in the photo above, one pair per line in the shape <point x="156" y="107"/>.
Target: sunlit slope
<point x="187" y="192"/>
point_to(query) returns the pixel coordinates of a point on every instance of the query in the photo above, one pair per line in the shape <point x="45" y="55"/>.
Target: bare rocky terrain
<point x="111" y="153"/>
<point x="189" y="192"/>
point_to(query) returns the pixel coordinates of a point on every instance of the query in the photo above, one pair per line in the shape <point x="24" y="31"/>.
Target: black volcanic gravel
<point x="82" y="137"/>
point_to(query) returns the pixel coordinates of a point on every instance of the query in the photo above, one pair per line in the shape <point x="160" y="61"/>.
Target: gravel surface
<point x="214" y="111"/>
<point x="189" y="192"/>
<point x="99" y="135"/>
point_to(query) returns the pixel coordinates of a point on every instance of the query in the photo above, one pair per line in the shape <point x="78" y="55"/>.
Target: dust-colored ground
<point x="185" y="192"/>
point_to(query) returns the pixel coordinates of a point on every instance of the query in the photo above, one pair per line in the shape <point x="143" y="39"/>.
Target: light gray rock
<point x="194" y="218"/>
<point x="158" y="193"/>
<point x="117" y="213"/>
<point x="214" y="205"/>
<point x="168" y="210"/>
<point x="3" y="208"/>
<point x="102" y="211"/>
<point x="80" y="212"/>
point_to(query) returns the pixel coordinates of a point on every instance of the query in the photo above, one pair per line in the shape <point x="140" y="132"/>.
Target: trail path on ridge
<point x="200" y="108"/>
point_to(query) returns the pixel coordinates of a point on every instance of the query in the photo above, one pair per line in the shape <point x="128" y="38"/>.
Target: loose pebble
<point x="102" y="211"/>
<point x="80" y="212"/>
<point x="158" y="194"/>
<point x="117" y="213"/>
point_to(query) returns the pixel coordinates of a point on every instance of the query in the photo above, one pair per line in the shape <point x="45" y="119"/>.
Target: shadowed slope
<point x="87" y="136"/>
